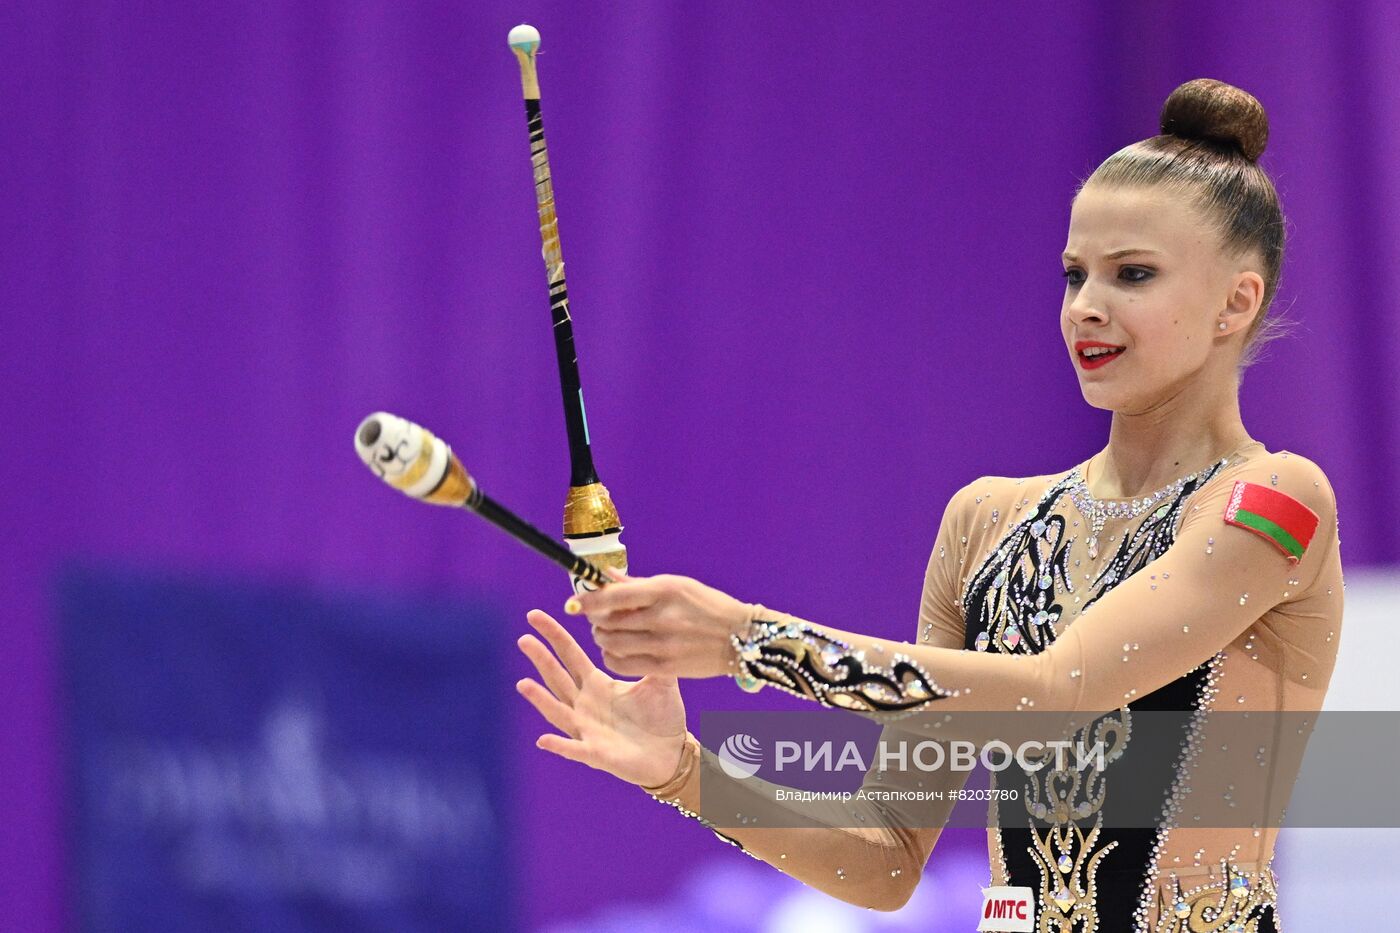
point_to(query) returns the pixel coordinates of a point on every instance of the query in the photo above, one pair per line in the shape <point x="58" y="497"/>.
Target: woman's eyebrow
<point x="1116" y="254"/>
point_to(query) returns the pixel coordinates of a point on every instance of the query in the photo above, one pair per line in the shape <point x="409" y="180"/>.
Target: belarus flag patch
<point x="1280" y="518"/>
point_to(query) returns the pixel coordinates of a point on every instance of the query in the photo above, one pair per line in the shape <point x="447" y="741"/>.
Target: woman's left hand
<point x="663" y="625"/>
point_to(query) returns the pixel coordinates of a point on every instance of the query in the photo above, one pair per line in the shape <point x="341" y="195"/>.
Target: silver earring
<point x="1222" y="325"/>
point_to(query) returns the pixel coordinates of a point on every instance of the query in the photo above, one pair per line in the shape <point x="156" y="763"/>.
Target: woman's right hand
<point x="631" y="729"/>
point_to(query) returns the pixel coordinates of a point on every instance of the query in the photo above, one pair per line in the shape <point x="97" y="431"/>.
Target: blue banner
<point x="265" y="759"/>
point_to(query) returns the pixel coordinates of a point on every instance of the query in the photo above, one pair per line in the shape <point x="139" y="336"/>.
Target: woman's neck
<point x="1149" y="450"/>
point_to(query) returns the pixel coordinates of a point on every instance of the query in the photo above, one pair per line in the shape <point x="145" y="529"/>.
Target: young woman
<point x="1183" y="567"/>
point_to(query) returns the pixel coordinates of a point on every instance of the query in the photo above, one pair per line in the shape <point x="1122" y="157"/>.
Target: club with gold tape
<point x="421" y="466"/>
<point x="591" y="524"/>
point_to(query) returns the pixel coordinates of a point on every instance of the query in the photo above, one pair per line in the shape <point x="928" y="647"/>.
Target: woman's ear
<point x="1243" y="304"/>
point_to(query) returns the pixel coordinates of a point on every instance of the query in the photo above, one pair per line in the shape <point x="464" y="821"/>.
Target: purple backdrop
<point x="813" y="261"/>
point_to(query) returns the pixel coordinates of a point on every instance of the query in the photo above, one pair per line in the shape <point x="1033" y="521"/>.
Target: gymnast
<point x="1185" y="566"/>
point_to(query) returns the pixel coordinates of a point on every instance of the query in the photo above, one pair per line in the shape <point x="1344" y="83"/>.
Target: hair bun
<point x="1219" y="112"/>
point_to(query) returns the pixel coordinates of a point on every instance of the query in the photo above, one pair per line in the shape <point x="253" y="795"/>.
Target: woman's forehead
<point x="1107" y="219"/>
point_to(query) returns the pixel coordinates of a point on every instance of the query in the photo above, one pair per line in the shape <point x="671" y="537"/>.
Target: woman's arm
<point x="868" y="851"/>
<point x="1216" y="580"/>
<point x="872" y="850"/>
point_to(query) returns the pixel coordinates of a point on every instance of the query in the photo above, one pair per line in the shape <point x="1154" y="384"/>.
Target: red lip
<point x="1081" y="345"/>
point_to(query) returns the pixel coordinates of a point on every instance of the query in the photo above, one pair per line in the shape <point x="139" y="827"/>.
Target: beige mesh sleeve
<point x="1205" y="590"/>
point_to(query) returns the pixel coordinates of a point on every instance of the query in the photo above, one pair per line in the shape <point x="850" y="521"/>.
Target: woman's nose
<point x="1087" y="308"/>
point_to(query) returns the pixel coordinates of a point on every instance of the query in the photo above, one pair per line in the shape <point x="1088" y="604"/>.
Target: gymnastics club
<point x="592" y="527"/>
<point x="423" y="467"/>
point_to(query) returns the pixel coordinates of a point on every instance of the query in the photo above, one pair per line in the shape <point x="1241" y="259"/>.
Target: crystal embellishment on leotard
<point x="1013" y="598"/>
<point x="748" y="684"/>
<point x="801" y="660"/>
<point x="1003" y="595"/>
<point x="1207" y="907"/>
<point x="1098" y="512"/>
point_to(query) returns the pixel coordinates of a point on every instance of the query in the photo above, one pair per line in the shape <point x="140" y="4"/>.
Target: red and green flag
<point x="1280" y="518"/>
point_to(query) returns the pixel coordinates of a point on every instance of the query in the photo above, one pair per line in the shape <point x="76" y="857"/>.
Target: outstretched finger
<point x="560" y="716"/>
<point x="551" y="671"/>
<point x="575" y="661"/>
<point x="571" y="749"/>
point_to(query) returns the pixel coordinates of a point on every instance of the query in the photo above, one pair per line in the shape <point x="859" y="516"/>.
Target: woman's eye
<point x="1134" y="275"/>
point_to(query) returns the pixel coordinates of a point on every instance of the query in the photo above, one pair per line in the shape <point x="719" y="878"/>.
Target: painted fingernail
<point x="573" y="607"/>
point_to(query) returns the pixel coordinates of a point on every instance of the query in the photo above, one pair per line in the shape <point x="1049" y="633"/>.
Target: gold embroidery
<point x="1068" y="860"/>
<point x="1235" y="904"/>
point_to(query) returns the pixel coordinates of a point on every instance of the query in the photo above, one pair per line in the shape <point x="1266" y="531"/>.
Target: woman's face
<point x="1147" y="280"/>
